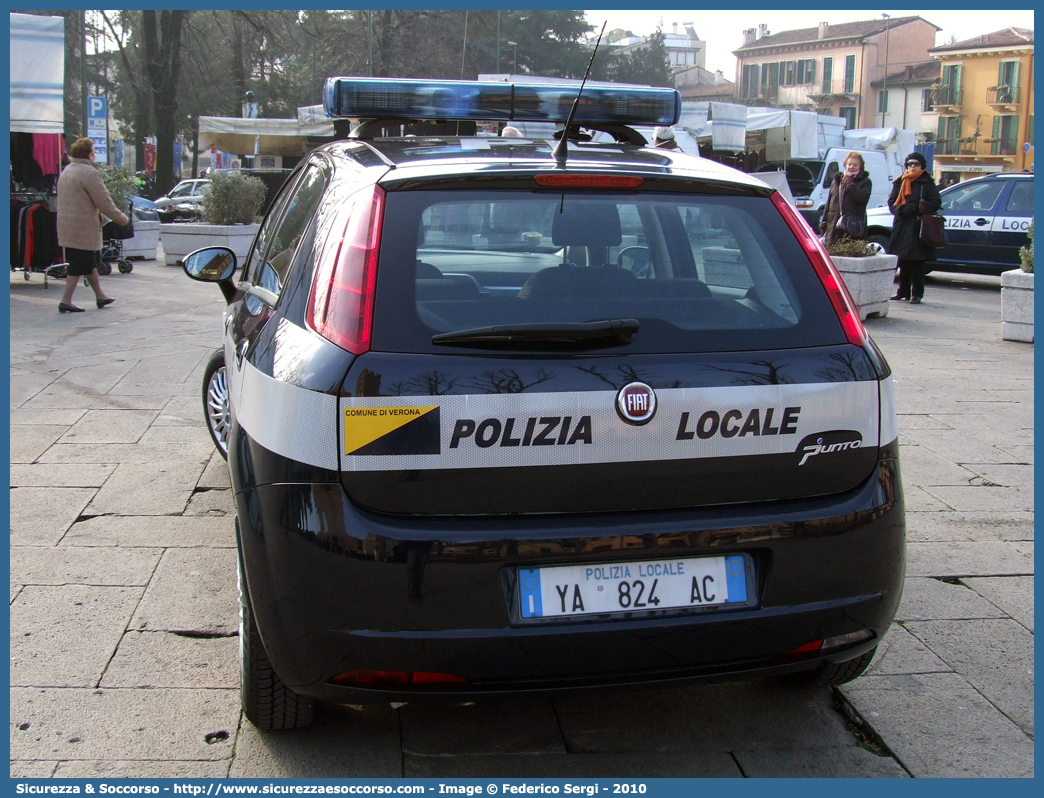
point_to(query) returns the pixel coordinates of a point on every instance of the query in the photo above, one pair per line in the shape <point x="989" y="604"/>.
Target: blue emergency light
<point x="384" y="98"/>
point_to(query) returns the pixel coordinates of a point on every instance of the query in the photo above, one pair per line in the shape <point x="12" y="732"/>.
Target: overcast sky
<point x="723" y="30"/>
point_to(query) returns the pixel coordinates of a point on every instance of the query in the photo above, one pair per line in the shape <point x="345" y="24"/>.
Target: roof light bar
<point x="383" y="98"/>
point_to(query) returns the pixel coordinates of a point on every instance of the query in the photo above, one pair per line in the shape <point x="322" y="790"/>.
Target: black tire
<point x="267" y="702"/>
<point x="831" y="674"/>
<point x="879" y="238"/>
<point x="125" y="267"/>
<point x="104" y="268"/>
<point x="215" y="402"/>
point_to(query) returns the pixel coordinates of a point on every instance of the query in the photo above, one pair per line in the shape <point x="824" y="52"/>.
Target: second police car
<point x="987" y="222"/>
<point x="499" y="422"/>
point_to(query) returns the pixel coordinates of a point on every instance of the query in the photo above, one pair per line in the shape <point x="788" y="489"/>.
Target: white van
<point x="809" y="180"/>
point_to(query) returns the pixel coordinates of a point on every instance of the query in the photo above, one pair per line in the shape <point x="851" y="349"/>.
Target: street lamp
<point x="514" y="56"/>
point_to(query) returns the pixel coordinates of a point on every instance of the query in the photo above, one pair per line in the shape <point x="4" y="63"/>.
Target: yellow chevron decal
<point x="364" y="425"/>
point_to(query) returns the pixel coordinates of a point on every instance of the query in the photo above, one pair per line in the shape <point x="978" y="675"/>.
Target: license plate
<point x="564" y="590"/>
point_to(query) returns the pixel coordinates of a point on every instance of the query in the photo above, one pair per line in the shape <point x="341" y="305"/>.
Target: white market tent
<point x="260" y="136"/>
<point x="37" y="74"/>
<point x="795" y="134"/>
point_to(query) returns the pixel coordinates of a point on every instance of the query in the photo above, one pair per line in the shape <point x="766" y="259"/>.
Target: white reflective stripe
<point x="286" y="419"/>
<point x="824" y="407"/>
<point x="1011" y="224"/>
<point x="889" y="422"/>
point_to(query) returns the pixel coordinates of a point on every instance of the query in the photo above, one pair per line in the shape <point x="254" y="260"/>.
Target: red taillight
<point x="587" y="181"/>
<point x="808" y="648"/>
<point x="394" y="678"/>
<point x="340" y="307"/>
<point x="844" y="306"/>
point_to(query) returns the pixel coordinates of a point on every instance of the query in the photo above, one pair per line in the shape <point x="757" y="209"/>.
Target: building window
<point x="1005" y="135"/>
<point x="927" y="101"/>
<point x="849" y="115"/>
<point x="749" y="85"/>
<point x="789" y="73"/>
<point x="882" y="101"/>
<point x="949" y="133"/>
<point x="828" y="73"/>
<point x="849" y="74"/>
<point x="769" y="75"/>
<point x="806" y="71"/>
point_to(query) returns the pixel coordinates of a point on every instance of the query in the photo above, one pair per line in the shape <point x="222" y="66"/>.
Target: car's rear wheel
<point x="267" y="702"/>
<point x="830" y="674"/>
<point x="215" y="401"/>
<point x="879" y="238"/>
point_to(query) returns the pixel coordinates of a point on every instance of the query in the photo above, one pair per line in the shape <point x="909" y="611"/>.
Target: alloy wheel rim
<point x="217" y="408"/>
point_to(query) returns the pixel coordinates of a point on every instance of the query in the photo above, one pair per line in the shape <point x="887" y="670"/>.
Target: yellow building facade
<point x="984" y="99"/>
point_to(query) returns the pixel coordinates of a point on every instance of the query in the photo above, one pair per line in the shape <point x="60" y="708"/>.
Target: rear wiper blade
<point x="556" y="334"/>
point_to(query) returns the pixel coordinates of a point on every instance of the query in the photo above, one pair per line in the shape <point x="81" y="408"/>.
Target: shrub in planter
<point x="233" y="198"/>
<point x="853" y="248"/>
<point x="1026" y="253"/>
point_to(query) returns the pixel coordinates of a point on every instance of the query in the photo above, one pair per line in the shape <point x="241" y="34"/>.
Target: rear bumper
<point x="334" y="588"/>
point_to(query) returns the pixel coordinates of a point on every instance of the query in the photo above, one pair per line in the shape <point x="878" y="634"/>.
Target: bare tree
<point x="162" y="40"/>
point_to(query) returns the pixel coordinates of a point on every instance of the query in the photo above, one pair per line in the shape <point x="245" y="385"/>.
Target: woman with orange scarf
<point x="913" y="193"/>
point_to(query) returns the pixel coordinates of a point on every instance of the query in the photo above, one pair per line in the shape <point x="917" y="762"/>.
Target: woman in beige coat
<point x="81" y="195"/>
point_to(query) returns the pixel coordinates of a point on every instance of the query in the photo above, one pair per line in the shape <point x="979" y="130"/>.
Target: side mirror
<point x="213" y="265"/>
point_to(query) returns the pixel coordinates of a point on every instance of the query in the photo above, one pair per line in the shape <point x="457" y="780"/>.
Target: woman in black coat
<point x="849" y="195"/>
<point x="912" y="194"/>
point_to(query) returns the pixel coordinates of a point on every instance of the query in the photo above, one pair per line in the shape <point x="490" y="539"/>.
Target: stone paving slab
<point x="159" y="488"/>
<point x="40" y="516"/>
<point x="153" y="531"/>
<point x="1012" y="594"/>
<point x="216" y="503"/>
<point x="932" y="599"/>
<point x="994" y="655"/>
<point x="919" y="500"/>
<point x="122" y="769"/>
<point x="110" y="426"/>
<point x="901" y="652"/>
<point x="64" y="417"/>
<point x="193" y="590"/>
<point x="72" y="565"/>
<point x="64" y="635"/>
<point x="525" y="726"/>
<point x="29" y="441"/>
<point x="984" y="498"/>
<point x="182" y="411"/>
<point x="931" y="468"/>
<point x="938" y="725"/>
<point x="956" y="447"/>
<point x="56" y="475"/>
<point x="144" y="453"/>
<point x="344" y="742"/>
<point x="750" y="715"/>
<point x="150" y="725"/>
<point x="32" y="769"/>
<point x="162" y="659"/>
<point x="1008" y="476"/>
<point x="848" y="762"/>
<point x="961" y="558"/>
<point x="694" y="765"/>
<point x="26" y="384"/>
<point x="935" y="527"/>
<point x="73" y="400"/>
<point x="215" y="475"/>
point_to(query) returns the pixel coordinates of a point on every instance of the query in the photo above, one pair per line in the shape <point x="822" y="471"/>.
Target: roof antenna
<point x="561" y="149"/>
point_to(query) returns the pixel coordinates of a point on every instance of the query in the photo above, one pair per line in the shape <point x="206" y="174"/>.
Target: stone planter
<point x="1017" y="306"/>
<point x="145" y="241"/>
<point x="181" y="238"/>
<point x="869" y="281"/>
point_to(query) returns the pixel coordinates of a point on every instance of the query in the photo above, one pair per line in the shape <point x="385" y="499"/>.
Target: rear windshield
<point x="698" y="272"/>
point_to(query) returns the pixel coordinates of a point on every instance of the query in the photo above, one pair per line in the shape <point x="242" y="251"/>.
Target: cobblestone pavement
<point x="123" y="606"/>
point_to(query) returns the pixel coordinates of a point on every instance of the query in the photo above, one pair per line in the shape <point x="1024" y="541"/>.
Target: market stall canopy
<point x="37" y="74"/>
<point x="273" y="136"/>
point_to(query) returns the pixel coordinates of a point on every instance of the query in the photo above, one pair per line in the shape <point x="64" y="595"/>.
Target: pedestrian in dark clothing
<point x="913" y="193"/>
<point x="849" y="195"/>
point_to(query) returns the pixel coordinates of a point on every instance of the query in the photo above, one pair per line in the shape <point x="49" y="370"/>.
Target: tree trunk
<point x="163" y="64"/>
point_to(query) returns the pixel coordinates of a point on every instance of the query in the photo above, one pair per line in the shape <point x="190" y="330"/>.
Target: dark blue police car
<point x="500" y="421"/>
<point x="987" y="222"/>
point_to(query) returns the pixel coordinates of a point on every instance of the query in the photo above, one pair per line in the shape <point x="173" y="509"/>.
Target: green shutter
<point x="995" y="149"/>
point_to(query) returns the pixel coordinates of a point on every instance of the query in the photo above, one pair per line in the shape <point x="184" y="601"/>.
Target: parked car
<point x="502" y="423"/>
<point x="987" y="219"/>
<point x="185" y="192"/>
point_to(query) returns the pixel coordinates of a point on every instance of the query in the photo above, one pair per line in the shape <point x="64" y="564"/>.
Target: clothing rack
<point x="42" y="254"/>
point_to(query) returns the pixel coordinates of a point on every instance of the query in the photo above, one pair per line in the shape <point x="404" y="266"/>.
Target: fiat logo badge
<point x="636" y="403"/>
